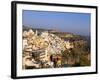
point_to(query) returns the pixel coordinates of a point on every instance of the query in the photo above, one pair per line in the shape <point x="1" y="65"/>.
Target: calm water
<point x="67" y="65"/>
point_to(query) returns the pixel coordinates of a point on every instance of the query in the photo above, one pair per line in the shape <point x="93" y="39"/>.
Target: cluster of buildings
<point x="42" y="50"/>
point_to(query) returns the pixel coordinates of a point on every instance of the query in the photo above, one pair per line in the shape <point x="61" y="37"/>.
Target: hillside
<point x="46" y="46"/>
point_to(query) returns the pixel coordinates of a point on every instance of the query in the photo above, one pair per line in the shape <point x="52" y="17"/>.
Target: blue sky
<point x="78" y="23"/>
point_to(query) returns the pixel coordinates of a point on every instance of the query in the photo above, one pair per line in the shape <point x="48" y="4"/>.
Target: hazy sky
<point x="78" y="23"/>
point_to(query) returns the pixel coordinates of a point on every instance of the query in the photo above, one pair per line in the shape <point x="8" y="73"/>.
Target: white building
<point x="68" y="45"/>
